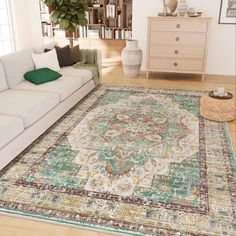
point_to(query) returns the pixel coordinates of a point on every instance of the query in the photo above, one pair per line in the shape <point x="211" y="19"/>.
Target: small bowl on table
<point x="199" y="13"/>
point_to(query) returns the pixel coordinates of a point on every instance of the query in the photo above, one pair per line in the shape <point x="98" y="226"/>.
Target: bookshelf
<point x="107" y="19"/>
<point x="46" y="25"/>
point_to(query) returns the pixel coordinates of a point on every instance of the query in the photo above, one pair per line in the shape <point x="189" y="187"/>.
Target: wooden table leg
<point x="203" y="77"/>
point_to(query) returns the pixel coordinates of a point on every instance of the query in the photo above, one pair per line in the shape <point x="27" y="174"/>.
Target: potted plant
<point x="68" y="14"/>
<point x="100" y="16"/>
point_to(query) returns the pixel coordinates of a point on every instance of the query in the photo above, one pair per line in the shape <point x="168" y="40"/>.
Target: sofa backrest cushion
<point x="16" y="65"/>
<point x="3" y="82"/>
<point x="41" y="49"/>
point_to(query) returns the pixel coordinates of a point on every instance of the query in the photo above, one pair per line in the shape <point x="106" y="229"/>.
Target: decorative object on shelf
<point x="191" y="12"/>
<point x="119" y="16"/>
<point x="164" y="8"/>
<point x="199" y="13"/>
<point x="131" y="57"/>
<point x="167" y="14"/>
<point x="182" y="7"/>
<point x="227" y="12"/>
<point x="90" y="3"/>
<point x="96" y="3"/>
<point x="112" y="22"/>
<point x="100" y="16"/>
<point x="129" y="20"/>
<point x="172" y="5"/>
<point x="64" y="16"/>
<point x="101" y="2"/>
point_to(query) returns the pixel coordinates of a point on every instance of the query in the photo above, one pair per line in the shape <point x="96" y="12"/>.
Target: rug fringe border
<point x="54" y="221"/>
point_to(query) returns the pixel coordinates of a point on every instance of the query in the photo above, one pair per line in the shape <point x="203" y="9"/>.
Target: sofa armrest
<point x="99" y="63"/>
<point x="92" y="56"/>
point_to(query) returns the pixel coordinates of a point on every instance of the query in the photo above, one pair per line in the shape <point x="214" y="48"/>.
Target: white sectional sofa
<point x="28" y="110"/>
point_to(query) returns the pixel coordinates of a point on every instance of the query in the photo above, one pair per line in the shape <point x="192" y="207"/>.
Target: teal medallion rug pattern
<point x="129" y="160"/>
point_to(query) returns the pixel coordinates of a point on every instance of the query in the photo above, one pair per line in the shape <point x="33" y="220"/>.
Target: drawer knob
<point x="176" y="51"/>
<point x="178" y="26"/>
<point x="177" y="39"/>
<point x="175" y="64"/>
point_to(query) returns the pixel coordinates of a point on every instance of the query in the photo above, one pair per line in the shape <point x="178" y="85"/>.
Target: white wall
<point x="221" y="52"/>
<point x="26" y="23"/>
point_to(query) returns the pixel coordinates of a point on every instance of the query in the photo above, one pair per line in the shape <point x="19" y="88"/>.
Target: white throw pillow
<point x="46" y="60"/>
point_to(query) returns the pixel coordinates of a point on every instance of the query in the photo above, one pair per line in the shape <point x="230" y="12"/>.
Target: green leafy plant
<point x="68" y="14"/>
<point x="100" y="16"/>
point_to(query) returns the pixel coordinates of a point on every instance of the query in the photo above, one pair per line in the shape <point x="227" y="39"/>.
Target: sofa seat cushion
<point x="10" y="127"/>
<point x="86" y="75"/>
<point x="64" y="86"/>
<point x="29" y="105"/>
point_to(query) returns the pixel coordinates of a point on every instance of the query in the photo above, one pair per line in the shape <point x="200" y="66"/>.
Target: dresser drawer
<point x="179" y="25"/>
<point x="158" y="50"/>
<point x="178" y="38"/>
<point x="176" y="64"/>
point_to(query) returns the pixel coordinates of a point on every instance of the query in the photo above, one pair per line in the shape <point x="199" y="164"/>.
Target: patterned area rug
<point x="132" y="161"/>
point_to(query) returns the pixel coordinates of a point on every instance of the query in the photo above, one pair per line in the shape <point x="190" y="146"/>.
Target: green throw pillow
<point x="41" y="75"/>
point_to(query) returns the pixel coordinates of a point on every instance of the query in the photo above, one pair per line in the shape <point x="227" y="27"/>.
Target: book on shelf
<point x="108" y="34"/>
<point x="82" y="31"/>
<point x="46" y="28"/>
<point x="45" y="17"/>
<point x="59" y="33"/>
<point x="42" y="6"/>
<point x="111" y="11"/>
<point x="123" y="34"/>
<point x="90" y="20"/>
<point x="127" y="34"/>
<point x="119" y="21"/>
<point x="93" y="34"/>
<point x="102" y="32"/>
<point x="117" y="34"/>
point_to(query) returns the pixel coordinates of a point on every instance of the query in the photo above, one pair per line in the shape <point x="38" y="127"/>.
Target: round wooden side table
<point x="217" y="109"/>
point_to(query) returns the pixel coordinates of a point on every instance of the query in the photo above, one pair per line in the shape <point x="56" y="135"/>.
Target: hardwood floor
<point x="13" y="226"/>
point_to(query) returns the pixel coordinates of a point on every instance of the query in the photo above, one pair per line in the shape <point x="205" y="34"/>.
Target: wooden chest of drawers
<point x="177" y="44"/>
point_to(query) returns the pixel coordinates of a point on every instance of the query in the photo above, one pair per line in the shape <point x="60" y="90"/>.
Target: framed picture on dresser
<point x="227" y="12"/>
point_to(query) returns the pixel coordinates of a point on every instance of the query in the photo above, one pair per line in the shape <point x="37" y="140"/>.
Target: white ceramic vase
<point x="131" y="57"/>
<point x="182" y="7"/>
